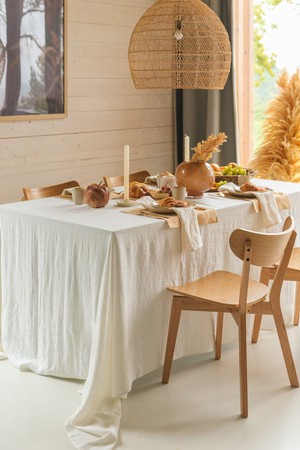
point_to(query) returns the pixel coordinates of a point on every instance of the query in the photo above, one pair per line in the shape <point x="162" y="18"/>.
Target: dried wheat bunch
<point x="205" y="149"/>
<point x="278" y="158"/>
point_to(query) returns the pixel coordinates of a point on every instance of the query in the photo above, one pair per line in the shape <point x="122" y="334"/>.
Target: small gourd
<point x="97" y="195"/>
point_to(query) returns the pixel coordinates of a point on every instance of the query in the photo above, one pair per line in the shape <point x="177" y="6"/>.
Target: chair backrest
<point x="49" y="191"/>
<point x="119" y="180"/>
<point x="266" y="248"/>
<point x="263" y="249"/>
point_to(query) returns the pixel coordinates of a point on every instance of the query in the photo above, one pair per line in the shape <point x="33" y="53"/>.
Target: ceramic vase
<point x="196" y="177"/>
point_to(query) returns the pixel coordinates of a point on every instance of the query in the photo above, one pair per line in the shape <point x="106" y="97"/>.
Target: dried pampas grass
<point x="205" y="149"/>
<point x="278" y="158"/>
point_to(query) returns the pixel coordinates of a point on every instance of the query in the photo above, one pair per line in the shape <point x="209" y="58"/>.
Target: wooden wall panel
<point x="105" y="111"/>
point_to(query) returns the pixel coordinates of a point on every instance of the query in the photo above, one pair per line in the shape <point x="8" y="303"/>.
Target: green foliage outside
<point x="262" y="94"/>
<point x="265" y="70"/>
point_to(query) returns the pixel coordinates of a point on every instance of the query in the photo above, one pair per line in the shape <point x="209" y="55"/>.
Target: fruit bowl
<point x="235" y="178"/>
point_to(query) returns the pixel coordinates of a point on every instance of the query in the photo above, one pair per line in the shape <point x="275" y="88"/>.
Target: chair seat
<point x="221" y="287"/>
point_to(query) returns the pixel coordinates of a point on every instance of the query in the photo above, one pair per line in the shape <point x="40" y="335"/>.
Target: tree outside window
<point x="31" y="32"/>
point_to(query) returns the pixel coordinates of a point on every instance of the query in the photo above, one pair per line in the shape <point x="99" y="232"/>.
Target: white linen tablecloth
<point x="84" y="295"/>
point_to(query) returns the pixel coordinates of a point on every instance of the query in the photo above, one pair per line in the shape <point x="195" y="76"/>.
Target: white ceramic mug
<point x="78" y="195"/>
<point x="179" y="192"/>
<point x="243" y="179"/>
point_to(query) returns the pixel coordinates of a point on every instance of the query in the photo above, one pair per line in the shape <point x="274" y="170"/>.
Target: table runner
<point x="205" y="216"/>
<point x="282" y="201"/>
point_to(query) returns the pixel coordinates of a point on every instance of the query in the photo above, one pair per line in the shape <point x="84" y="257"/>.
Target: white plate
<point x="232" y="189"/>
<point x="126" y="203"/>
<point x="240" y="193"/>
<point x="163" y="210"/>
<point x="159" y="195"/>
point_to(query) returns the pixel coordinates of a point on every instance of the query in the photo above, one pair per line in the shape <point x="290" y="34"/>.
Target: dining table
<point x="84" y="293"/>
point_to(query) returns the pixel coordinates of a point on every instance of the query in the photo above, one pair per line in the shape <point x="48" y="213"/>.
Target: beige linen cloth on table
<point x="269" y="208"/>
<point x="268" y="203"/>
<point x="281" y="200"/>
<point x="188" y="219"/>
<point x="204" y="216"/>
<point x="191" y="239"/>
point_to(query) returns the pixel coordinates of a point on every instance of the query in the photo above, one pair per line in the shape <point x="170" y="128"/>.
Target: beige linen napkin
<point x="115" y="195"/>
<point x="282" y="202"/>
<point x="205" y="216"/>
<point x="278" y="200"/>
<point x="269" y="208"/>
<point x="191" y="239"/>
<point x="172" y="221"/>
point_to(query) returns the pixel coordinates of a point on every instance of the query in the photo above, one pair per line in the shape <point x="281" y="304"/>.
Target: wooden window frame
<point x="243" y="74"/>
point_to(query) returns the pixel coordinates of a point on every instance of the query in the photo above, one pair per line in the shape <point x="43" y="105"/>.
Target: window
<point x="266" y="40"/>
<point x="276" y="47"/>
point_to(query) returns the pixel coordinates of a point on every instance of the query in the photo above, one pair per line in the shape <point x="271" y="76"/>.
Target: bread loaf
<point x="250" y="187"/>
<point x="170" y="202"/>
<point x="138" y="190"/>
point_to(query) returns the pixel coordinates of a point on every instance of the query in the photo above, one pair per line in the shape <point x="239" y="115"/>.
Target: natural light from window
<point x="276" y="47"/>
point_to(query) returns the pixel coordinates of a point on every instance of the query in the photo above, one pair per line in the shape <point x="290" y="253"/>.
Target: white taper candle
<point x="126" y="172"/>
<point x="186" y="147"/>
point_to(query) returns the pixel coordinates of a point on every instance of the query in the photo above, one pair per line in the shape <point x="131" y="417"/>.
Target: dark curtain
<point x="199" y="113"/>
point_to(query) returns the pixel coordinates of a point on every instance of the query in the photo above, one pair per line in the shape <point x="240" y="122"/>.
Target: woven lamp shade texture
<point x="179" y="44"/>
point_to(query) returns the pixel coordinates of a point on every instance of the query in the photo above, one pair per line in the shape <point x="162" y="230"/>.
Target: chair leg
<point x="219" y="332"/>
<point x="171" y="340"/>
<point x="285" y="345"/>
<point x="264" y="278"/>
<point x="243" y="365"/>
<point x="256" y="328"/>
<point x="297" y="304"/>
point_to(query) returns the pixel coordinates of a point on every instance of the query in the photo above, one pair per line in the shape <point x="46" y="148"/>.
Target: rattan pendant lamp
<point x="179" y="44"/>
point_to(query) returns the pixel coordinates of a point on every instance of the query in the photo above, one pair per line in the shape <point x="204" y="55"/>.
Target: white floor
<point x="197" y="410"/>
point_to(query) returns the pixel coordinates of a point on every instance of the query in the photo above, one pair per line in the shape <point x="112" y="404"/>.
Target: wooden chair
<point x="292" y="274"/>
<point x="226" y="292"/>
<point x="119" y="180"/>
<point x="49" y="191"/>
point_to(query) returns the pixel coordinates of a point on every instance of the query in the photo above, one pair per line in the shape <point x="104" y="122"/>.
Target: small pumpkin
<point x="97" y="195"/>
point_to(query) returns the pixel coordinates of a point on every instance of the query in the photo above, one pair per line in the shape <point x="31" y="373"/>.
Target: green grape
<point x="220" y="183"/>
<point x="232" y="171"/>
